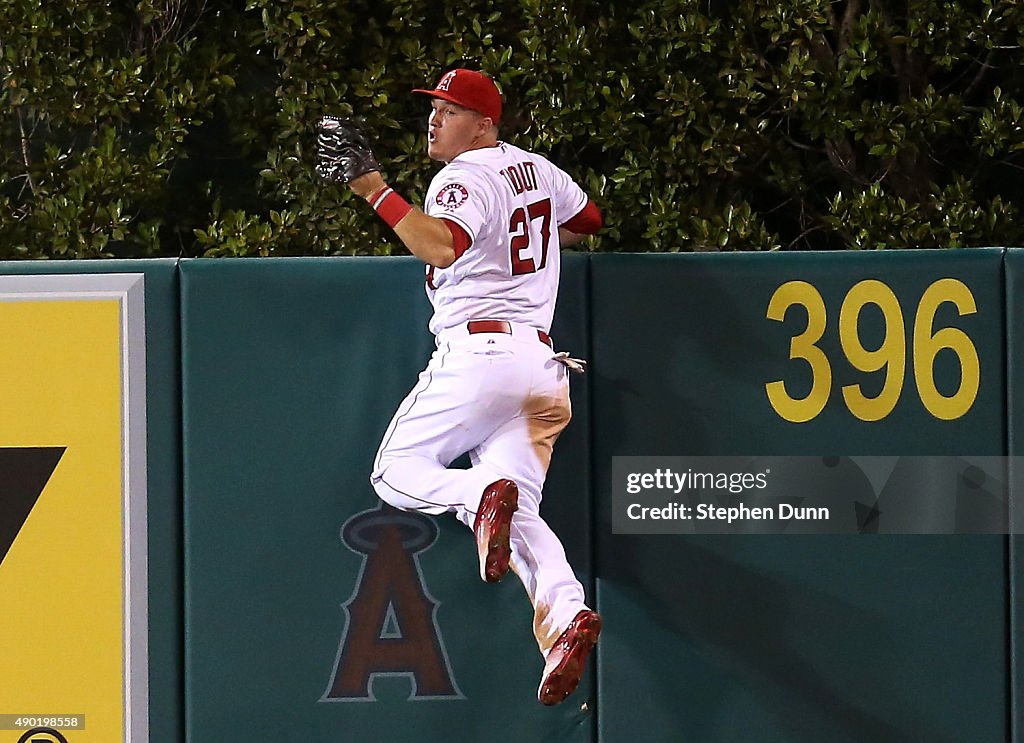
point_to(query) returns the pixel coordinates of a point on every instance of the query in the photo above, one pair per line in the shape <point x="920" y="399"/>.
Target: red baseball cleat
<point x="491" y="527"/>
<point x="568" y="657"/>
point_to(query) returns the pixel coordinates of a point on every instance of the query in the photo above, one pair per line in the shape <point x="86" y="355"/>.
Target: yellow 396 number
<point x="890" y="356"/>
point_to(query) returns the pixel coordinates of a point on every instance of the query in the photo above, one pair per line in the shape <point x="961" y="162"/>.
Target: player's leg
<point x="538" y="557"/>
<point x="565" y="628"/>
<point x="521" y="450"/>
<point x="465" y="392"/>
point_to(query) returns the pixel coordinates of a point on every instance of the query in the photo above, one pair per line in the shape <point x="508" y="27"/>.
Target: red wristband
<point x="391" y="207"/>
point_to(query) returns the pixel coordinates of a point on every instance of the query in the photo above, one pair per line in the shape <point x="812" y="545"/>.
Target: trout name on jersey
<point x="520" y="177"/>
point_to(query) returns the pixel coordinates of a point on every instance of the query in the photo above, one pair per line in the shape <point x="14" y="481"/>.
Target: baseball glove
<point x="343" y="151"/>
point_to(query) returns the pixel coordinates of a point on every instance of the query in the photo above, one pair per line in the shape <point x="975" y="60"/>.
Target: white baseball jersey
<point x="511" y="203"/>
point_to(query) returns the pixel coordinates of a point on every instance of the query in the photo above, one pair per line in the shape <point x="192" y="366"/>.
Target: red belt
<point x="501" y="326"/>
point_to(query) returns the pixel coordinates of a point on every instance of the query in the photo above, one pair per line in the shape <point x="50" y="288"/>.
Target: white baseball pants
<point x="504" y="399"/>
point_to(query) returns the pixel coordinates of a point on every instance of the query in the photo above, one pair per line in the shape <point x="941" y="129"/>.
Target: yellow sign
<point x="71" y="488"/>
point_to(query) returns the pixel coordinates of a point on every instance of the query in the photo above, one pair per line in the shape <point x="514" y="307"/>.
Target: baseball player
<point x="493" y="221"/>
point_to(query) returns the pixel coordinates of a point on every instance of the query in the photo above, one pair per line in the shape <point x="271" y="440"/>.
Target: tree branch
<point x="900" y="63"/>
<point x="985" y="67"/>
<point x="845" y="31"/>
<point x="24" y="152"/>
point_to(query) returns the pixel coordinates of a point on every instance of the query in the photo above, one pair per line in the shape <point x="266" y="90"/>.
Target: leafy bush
<point x="184" y="127"/>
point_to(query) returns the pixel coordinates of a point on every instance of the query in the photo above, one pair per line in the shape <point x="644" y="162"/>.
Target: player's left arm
<point x="432" y="240"/>
<point x="344" y="156"/>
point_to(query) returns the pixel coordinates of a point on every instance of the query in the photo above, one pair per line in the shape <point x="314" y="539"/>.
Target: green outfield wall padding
<point x="311" y="613"/>
<point x="287" y="604"/>
<point x="1015" y="430"/>
<point x="163" y="406"/>
<point x="798" y="637"/>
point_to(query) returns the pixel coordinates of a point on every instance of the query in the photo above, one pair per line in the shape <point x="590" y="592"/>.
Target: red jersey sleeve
<point x="460" y="238"/>
<point x="587" y="222"/>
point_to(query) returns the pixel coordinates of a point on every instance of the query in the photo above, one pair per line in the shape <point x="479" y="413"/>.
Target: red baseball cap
<point x="471" y="89"/>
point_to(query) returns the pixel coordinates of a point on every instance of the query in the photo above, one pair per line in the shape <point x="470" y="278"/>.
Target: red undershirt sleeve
<point x="460" y="238"/>
<point x="587" y="222"/>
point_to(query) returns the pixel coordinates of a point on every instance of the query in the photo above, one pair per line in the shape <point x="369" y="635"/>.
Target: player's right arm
<point x="566" y="238"/>
<point x="587" y="222"/>
<point x="584" y="218"/>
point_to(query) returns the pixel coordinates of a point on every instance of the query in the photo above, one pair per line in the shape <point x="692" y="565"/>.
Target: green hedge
<point x="183" y="127"/>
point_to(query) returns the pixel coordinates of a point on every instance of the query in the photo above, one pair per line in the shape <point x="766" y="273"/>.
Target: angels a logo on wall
<point x="391" y="624"/>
